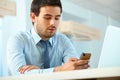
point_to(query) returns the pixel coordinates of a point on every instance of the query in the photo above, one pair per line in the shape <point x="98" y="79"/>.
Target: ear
<point x="33" y="17"/>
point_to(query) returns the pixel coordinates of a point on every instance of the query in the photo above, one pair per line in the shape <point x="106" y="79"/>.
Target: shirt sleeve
<point x="36" y="71"/>
<point x="15" y="56"/>
<point x="69" y="49"/>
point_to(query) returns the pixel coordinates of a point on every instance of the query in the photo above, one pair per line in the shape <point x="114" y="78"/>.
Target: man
<point x="42" y="49"/>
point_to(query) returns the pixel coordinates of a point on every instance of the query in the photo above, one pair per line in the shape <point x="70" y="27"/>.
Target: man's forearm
<point x="31" y="69"/>
<point x="39" y="71"/>
<point x="27" y="68"/>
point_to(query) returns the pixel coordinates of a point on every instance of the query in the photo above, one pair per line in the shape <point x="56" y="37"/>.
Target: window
<point x="0" y="47"/>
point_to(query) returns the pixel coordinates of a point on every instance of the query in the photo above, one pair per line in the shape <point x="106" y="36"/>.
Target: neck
<point x="45" y="39"/>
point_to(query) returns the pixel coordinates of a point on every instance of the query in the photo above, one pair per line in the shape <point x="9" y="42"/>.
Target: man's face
<point x="47" y="22"/>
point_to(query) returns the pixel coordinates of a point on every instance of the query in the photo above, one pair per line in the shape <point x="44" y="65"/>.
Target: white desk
<point x="89" y="74"/>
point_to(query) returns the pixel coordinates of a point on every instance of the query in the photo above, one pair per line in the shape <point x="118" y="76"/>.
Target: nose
<point x="52" y="22"/>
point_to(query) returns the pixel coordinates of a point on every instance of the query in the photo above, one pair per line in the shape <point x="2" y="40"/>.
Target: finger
<point x="28" y="68"/>
<point x="82" y="67"/>
<point x="73" y="59"/>
<point x="20" y="69"/>
<point x="23" y="69"/>
<point x="82" y="62"/>
<point x="32" y="67"/>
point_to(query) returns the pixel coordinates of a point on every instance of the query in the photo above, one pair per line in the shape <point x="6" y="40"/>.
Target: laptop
<point x="110" y="54"/>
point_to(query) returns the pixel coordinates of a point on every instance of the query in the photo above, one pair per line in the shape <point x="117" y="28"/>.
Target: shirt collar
<point x="37" y="38"/>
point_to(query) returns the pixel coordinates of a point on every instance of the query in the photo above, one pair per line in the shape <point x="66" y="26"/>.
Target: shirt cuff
<point x="49" y="70"/>
<point x="37" y="71"/>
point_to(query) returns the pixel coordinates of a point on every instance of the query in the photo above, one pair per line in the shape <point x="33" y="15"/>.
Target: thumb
<point x="73" y="59"/>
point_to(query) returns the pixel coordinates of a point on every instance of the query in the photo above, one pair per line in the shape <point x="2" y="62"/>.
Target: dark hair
<point x="37" y="4"/>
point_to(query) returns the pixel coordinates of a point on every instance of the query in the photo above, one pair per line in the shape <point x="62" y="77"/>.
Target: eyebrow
<point x="51" y="15"/>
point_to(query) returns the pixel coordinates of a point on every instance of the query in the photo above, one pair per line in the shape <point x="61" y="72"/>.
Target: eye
<point x="47" y="18"/>
<point x="57" y="18"/>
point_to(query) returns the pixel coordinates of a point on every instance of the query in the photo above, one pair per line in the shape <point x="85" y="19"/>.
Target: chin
<point x="51" y="35"/>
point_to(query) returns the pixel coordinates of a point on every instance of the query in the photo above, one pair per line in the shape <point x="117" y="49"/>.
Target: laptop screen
<point x="110" y="54"/>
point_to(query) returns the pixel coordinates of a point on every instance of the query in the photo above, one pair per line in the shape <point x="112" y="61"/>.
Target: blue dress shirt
<point x="23" y="49"/>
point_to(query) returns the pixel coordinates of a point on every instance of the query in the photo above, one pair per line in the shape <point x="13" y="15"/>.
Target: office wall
<point x="113" y="22"/>
<point x="0" y="46"/>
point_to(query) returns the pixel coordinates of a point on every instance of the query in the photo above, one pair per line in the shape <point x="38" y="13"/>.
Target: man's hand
<point x="73" y="64"/>
<point x="27" y="68"/>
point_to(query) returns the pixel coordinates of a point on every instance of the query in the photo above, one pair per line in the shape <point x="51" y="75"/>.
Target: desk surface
<point x="95" y="73"/>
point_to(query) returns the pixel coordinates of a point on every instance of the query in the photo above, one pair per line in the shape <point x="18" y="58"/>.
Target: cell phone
<point x="85" y="56"/>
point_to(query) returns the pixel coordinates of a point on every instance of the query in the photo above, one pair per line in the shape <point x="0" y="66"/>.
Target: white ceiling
<point x="109" y="8"/>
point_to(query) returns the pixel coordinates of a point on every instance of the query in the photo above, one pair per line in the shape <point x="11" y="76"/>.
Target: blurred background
<point x="92" y="14"/>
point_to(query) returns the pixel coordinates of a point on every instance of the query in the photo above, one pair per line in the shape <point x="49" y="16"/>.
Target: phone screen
<point x="85" y="56"/>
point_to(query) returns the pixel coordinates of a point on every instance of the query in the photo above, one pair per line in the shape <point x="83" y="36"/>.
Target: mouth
<point x="53" y="29"/>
